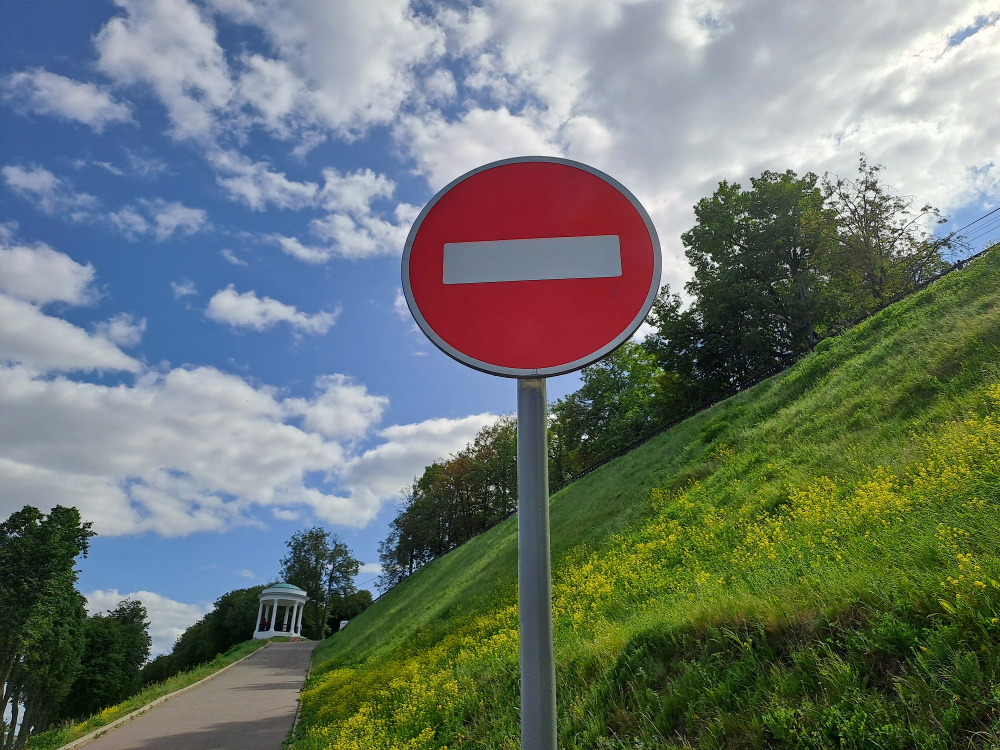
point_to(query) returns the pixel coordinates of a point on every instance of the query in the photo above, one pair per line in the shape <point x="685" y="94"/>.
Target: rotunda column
<point x="260" y="611"/>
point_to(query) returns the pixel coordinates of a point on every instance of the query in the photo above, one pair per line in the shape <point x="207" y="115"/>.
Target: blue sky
<point x="203" y="204"/>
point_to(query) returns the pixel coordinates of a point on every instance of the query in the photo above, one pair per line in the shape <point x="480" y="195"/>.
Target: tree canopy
<point x="320" y="563"/>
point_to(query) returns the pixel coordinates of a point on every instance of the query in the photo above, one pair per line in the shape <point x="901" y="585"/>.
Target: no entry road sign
<point x="531" y="267"/>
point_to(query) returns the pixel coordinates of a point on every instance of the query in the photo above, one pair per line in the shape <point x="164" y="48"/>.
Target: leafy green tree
<point x="616" y="405"/>
<point x="320" y="563"/>
<point x="880" y="246"/>
<point x="347" y="607"/>
<point x="452" y="500"/>
<point x="233" y="619"/>
<point x="41" y="641"/>
<point x="116" y="646"/>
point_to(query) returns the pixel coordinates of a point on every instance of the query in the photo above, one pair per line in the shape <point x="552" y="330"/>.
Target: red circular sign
<point x="531" y="267"/>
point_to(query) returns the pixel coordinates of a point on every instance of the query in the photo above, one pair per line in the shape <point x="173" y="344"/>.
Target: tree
<point x="452" y="500"/>
<point x="616" y="405"/>
<point x="880" y="245"/>
<point x="347" y="607"/>
<point x="41" y="641"/>
<point x="321" y="564"/>
<point x="756" y="290"/>
<point x="233" y="619"/>
<point x="116" y="645"/>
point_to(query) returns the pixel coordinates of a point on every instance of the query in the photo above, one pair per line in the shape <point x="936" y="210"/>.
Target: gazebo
<point x="280" y="611"/>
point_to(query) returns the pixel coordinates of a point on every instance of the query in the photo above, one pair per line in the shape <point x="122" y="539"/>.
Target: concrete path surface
<point x="248" y="707"/>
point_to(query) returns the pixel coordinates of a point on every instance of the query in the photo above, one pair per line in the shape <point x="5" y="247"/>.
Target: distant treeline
<point x="57" y="663"/>
<point x="778" y="266"/>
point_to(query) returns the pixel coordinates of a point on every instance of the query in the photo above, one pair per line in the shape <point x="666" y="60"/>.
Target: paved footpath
<point x="248" y="707"/>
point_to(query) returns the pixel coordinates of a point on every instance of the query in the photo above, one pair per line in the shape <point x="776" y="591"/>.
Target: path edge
<point x="290" y="740"/>
<point x="101" y="731"/>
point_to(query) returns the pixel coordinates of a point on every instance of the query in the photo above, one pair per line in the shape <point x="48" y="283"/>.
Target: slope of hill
<point x="813" y="563"/>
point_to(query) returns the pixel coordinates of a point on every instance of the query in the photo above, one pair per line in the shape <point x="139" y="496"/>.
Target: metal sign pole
<point x="534" y="576"/>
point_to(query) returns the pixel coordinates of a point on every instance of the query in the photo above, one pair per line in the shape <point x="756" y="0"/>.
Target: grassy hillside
<point x="813" y="563"/>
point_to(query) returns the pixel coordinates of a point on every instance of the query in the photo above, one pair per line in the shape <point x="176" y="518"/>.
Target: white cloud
<point x="342" y="66"/>
<point x="306" y="253"/>
<point x="400" y="307"/>
<point x="183" y="288"/>
<point x="256" y="185"/>
<point x="122" y="329"/>
<point x="48" y="193"/>
<point x="342" y="410"/>
<point x="30" y="337"/>
<point x="352" y="229"/>
<point x="169" y="217"/>
<point x="246" y="310"/>
<point x="129" y="222"/>
<point x="232" y="257"/>
<point x="170" y="46"/>
<point x="37" y="273"/>
<point x="168" y="618"/>
<point x="246" y="574"/>
<point x="370" y="568"/>
<point x="45" y="93"/>
<point x="189" y="450"/>
<point x="672" y="97"/>
<point x="378" y="474"/>
<point x="158" y="217"/>
<point x="446" y="149"/>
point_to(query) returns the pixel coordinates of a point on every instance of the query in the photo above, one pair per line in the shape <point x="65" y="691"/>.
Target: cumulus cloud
<point x="342" y="66"/>
<point x="159" y="218"/>
<point x="246" y="310"/>
<point x="41" y="92"/>
<point x="342" y="410"/>
<point x="48" y="193"/>
<point x="232" y="257"/>
<point x="45" y="343"/>
<point x="256" y="185"/>
<point x="168" y="618"/>
<point x="197" y="449"/>
<point x="352" y="228"/>
<point x="378" y="474"/>
<point x="37" y="273"/>
<point x="183" y="288"/>
<point x="122" y="329"/>
<point x="169" y="46"/>
<point x="444" y="149"/>
<point x="670" y="98"/>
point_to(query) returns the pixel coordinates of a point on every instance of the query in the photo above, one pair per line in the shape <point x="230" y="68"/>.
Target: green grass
<point x="811" y="564"/>
<point x="55" y="738"/>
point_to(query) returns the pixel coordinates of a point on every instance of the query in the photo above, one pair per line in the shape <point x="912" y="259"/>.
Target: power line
<point x="977" y="220"/>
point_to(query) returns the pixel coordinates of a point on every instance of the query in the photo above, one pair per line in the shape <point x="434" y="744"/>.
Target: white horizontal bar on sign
<point x="532" y="260"/>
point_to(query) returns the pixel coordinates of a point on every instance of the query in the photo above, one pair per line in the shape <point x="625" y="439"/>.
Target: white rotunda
<point x="280" y="611"/>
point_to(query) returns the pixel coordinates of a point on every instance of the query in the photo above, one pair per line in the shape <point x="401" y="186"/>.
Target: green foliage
<point x="881" y="245"/>
<point x="452" y="501"/>
<point x="116" y="645"/>
<point x="755" y="285"/>
<point x="320" y="563"/>
<point x="811" y="564"/>
<point x="347" y="607"/>
<point x="618" y="403"/>
<point x="41" y="640"/>
<point x="781" y="264"/>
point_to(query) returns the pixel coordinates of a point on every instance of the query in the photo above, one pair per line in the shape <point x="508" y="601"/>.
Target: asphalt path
<point x="248" y="707"/>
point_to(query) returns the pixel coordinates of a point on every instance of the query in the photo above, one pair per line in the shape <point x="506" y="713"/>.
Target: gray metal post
<point x="534" y="576"/>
